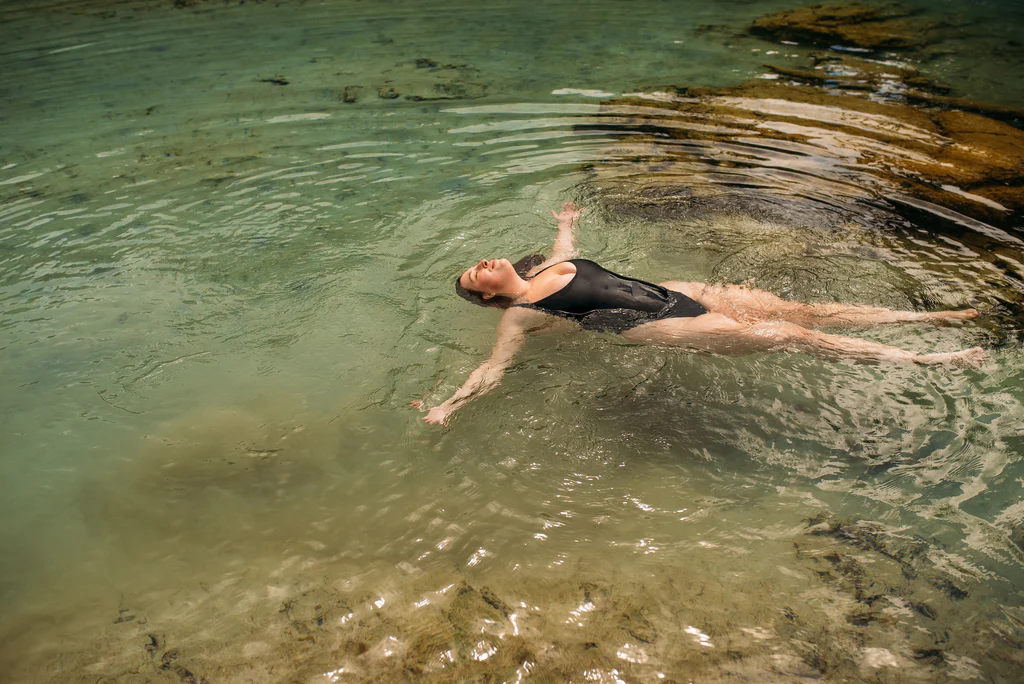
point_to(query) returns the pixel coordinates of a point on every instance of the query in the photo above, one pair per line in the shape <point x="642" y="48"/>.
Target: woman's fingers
<point x="437" y="415"/>
<point x="569" y="212"/>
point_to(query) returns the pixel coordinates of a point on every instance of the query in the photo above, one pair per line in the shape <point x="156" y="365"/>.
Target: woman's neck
<point x="519" y="290"/>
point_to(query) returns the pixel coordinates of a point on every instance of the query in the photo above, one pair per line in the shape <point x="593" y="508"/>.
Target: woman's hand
<point x="438" y="415"/>
<point x="570" y="213"/>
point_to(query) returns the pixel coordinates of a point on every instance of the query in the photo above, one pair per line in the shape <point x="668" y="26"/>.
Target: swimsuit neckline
<point x="561" y="289"/>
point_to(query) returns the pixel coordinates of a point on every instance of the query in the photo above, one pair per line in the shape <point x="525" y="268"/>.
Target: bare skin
<point x="739" y="320"/>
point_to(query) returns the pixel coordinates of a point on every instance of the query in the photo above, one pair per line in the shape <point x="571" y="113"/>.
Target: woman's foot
<point x="951" y="316"/>
<point x="968" y="358"/>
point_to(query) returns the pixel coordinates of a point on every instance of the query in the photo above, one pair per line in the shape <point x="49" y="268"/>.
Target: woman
<point x="725" y="319"/>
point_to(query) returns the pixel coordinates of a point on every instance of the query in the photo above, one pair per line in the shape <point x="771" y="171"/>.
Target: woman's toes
<point x="954" y="316"/>
<point x="971" y="358"/>
<point x="968" y="358"/>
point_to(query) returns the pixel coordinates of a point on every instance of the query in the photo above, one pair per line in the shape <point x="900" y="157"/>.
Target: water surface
<point x="227" y="239"/>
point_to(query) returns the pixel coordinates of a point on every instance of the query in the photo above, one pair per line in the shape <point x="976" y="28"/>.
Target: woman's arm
<point x="567" y="218"/>
<point x="564" y="247"/>
<point x="512" y="330"/>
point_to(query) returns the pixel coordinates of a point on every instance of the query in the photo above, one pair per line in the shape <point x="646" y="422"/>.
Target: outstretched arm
<point x="511" y="334"/>
<point x="567" y="218"/>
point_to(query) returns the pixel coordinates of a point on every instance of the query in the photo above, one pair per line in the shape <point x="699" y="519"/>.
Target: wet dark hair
<point x="522" y="267"/>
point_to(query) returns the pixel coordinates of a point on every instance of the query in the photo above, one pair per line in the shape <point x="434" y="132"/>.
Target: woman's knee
<point x="714" y="322"/>
<point x="778" y="332"/>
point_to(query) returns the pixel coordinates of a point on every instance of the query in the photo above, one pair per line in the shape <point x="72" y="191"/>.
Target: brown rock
<point x="352" y="94"/>
<point x="851" y="25"/>
<point x="961" y="160"/>
<point x="635" y="624"/>
<point x="982" y="152"/>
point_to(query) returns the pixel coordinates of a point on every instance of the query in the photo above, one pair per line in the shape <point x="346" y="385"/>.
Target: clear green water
<point x="219" y="295"/>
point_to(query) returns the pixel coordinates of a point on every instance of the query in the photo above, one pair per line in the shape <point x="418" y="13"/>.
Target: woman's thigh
<point x="735" y="301"/>
<point x="709" y="332"/>
<point x="695" y="291"/>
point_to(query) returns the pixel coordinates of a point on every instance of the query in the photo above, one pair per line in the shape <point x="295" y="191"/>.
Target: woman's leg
<point x="720" y="334"/>
<point x="745" y="304"/>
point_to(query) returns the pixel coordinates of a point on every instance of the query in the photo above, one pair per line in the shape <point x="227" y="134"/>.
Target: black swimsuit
<point x="603" y="301"/>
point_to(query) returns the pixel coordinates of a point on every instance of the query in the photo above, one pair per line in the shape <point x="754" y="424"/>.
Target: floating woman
<point x="725" y="319"/>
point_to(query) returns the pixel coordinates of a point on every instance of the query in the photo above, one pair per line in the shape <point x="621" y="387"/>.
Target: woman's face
<point x="490" y="276"/>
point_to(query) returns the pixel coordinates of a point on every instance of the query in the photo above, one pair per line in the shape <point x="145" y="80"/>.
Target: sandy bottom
<point x="839" y="601"/>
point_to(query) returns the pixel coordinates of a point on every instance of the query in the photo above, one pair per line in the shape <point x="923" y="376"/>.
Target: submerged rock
<point x="848" y="72"/>
<point x="814" y="157"/>
<point x="1017" y="535"/>
<point x="426" y="79"/>
<point x="352" y="94"/>
<point x="963" y="160"/>
<point x="893" y="83"/>
<point x="869" y="27"/>
<point x="893" y="604"/>
<point x="843" y="139"/>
